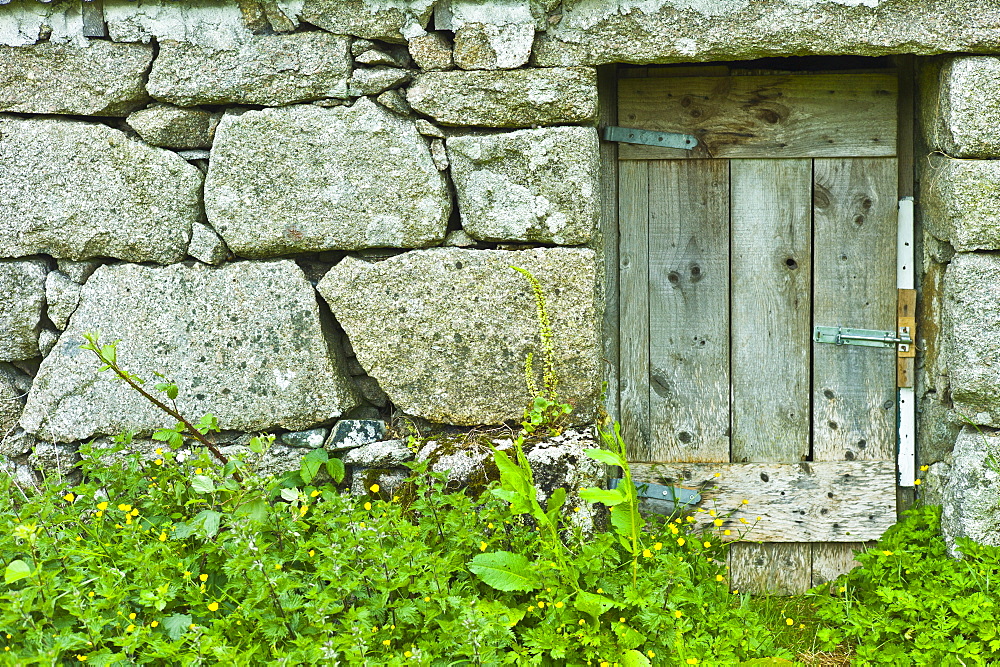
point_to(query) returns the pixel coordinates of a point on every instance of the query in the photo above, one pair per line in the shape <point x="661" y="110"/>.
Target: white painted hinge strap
<point x="905" y="283"/>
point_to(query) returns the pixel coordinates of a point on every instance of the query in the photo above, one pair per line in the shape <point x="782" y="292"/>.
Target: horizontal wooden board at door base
<point x="774" y="116"/>
<point x="814" y="501"/>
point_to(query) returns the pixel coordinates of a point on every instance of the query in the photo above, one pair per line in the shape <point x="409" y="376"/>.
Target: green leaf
<point x="556" y="500"/>
<point x="633" y="658"/>
<point x="335" y="468"/>
<point x="290" y="495"/>
<point x="256" y="510"/>
<point x="16" y="571"/>
<point x="176" y="625"/>
<point x="593" y="604"/>
<point x="207" y="423"/>
<point x="610" y="497"/>
<point x="604" y="456"/>
<point x="202" y="484"/>
<point x="311" y="463"/>
<point x="164" y="434"/>
<point x="209" y="520"/>
<point x="504" y="571"/>
<point x="625" y="520"/>
<point x="255" y="445"/>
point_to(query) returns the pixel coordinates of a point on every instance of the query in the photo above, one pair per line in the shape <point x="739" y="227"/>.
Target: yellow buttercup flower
<point x="789" y="621"/>
<point x="374" y="488"/>
<point x="717" y="522"/>
<point x="213" y="606"/>
<point x="203" y="577"/>
<point x="482" y="546"/>
<point x="678" y="613"/>
<point x="69" y="497"/>
<point x="680" y="541"/>
<point x="102" y="506"/>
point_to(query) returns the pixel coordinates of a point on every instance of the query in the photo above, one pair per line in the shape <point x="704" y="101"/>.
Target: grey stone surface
<point x="961" y="201"/>
<point x="47" y="339"/>
<point x="431" y="51"/>
<point x="25" y="22"/>
<point x="371" y="391"/>
<point x="382" y="454"/>
<point x="459" y="239"/>
<point x="972" y="335"/>
<point x="306" y="179"/>
<point x="971" y="495"/>
<point x="54" y="459"/>
<point x="493" y="45"/>
<point x="376" y="56"/>
<point x="374" y="80"/>
<point x="78" y="271"/>
<point x="14" y="387"/>
<point x="395" y="101"/>
<point x="440" y="154"/>
<point x="387" y="20"/>
<point x="351" y="433"/>
<point x="961" y="110"/>
<point x="19" y="471"/>
<point x="389" y="480"/>
<point x="446" y="331"/>
<point x="211" y="23"/>
<point x="62" y="296"/>
<point x="594" y="32"/>
<point x="78" y="190"/>
<point x="267" y="70"/>
<point x="529" y="185"/>
<point x="206" y="246"/>
<point x="102" y="79"/>
<point x="266" y="363"/>
<point x="22" y="298"/>
<point x="429" y="129"/>
<point x="311" y="439"/>
<point x="276" y="460"/>
<point x="508" y="98"/>
<point x="173" y="127"/>
<point x="15" y="441"/>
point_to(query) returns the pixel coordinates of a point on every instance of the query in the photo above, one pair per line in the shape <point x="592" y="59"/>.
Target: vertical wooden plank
<point x="771" y="299"/>
<point x="607" y="83"/>
<point x="832" y="559"/>
<point x="633" y="266"/>
<point x="775" y="568"/>
<point x="689" y="310"/>
<point x="854" y="388"/>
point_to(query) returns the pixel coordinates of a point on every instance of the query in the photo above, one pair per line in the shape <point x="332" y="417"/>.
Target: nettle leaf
<point x="504" y="571"/>
<point x="209" y="521"/>
<point x="610" y="497"/>
<point x="335" y="468"/>
<point x="176" y="625"/>
<point x="311" y="463"/>
<point x="16" y="571"/>
<point x="202" y="484"/>
<point x="604" y="456"/>
<point x="256" y="510"/>
<point x="593" y="604"/>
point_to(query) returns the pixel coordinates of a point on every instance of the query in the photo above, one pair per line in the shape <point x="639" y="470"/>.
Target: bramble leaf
<point x="311" y="463"/>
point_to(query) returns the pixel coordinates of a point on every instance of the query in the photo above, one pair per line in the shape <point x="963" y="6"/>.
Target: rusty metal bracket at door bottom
<point x="673" y="496"/>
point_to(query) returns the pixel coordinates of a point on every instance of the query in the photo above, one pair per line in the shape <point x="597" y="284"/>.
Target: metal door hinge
<point x="863" y="337"/>
<point x="674" y="495"/>
<point x="630" y="135"/>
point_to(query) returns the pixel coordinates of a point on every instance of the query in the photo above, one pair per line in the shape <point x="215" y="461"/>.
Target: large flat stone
<point x="972" y="335"/>
<point x="961" y="111"/>
<point x="211" y="23"/>
<point x="307" y="179"/>
<point x="388" y="20"/>
<point x="243" y="341"/>
<point x="509" y="98"/>
<point x="446" y="331"/>
<point x="14" y="386"/>
<point x="528" y="185"/>
<point x="266" y="70"/>
<point x="102" y="79"/>
<point x="173" y="127"/>
<point x="961" y="201"/>
<point x="22" y="302"/>
<point x="77" y="190"/>
<point x="598" y="32"/>
<point x="969" y="497"/>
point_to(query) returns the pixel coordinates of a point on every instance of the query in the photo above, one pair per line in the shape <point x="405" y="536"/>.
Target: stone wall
<point x="960" y="201"/>
<point x="306" y="210"/>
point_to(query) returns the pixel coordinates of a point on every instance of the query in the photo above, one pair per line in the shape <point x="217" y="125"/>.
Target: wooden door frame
<point x="608" y="78"/>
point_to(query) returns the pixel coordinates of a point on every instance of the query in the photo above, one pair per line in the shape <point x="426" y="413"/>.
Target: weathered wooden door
<point x="782" y="218"/>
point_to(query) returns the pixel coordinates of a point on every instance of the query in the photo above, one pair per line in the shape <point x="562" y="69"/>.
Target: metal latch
<point x="863" y="337"/>
<point x="630" y="135"/>
<point x="673" y="495"/>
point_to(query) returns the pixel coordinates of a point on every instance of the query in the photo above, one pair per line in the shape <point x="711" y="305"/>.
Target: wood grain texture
<point x="831" y="501"/>
<point x="607" y="84"/>
<point x="770" y="568"/>
<point x="633" y="266"/>
<point x="832" y="559"/>
<point x="771" y="301"/>
<point x="854" y="388"/>
<point x="819" y="115"/>
<point x="689" y="310"/>
<point x="906" y="311"/>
